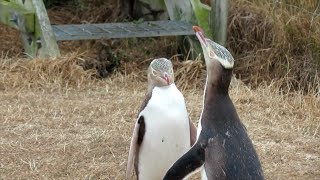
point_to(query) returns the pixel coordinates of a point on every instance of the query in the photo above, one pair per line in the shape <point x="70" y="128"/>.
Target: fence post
<point x="47" y="42"/>
<point x="182" y="10"/>
<point x="219" y="20"/>
<point x="31" y="19"/>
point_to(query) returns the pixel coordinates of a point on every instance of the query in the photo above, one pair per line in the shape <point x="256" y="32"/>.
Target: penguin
<point x="163" y="131"/>
<point x="223" y="149"/>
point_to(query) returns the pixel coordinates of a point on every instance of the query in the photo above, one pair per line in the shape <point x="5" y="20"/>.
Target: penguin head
<point x="160" y="72"/>
<point x="213" y="51"/>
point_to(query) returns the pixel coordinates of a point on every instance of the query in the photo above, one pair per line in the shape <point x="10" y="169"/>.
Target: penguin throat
<point x="218" y="80"/>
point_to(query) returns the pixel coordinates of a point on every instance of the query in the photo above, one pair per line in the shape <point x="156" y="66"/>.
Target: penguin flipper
<point x="193" y="133"/>
<point x="188" y="163"/>
<point x="136" y="141"/>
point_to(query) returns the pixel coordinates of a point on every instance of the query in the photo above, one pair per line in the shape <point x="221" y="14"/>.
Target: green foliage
<point x="202" y="12"/>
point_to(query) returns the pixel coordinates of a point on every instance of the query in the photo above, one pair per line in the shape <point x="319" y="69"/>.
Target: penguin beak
<point x="166" y="78"/>
<point x="200" y="35"/>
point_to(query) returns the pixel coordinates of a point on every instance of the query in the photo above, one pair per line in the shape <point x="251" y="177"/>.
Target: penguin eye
<point x="211" y="54"/>
<point x="154" y="72"/>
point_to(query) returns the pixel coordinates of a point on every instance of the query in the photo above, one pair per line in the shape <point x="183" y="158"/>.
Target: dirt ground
<point x="83" y="131"/>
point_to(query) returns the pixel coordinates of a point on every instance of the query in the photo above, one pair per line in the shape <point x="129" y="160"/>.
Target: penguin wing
<point x="193" y="133"/>
<point x="136" y="140"/>
<point x="188" y="163"/>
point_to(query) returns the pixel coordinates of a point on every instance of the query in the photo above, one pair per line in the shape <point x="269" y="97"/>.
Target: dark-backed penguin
<point x="223" y="148"/>
<point x="163" y="131"/>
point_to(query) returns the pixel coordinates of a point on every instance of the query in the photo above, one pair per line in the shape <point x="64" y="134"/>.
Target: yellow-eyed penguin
<point x="163" y="131"/>
<point x="223" y="148"/>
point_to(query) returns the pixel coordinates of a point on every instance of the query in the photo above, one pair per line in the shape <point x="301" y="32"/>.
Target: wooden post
<point x="182" y="10"/>
<point x="31" y="19"/>
<point x="219" y="20"/>
<point x="46" y="40"/>
<point x="15" y="15"/>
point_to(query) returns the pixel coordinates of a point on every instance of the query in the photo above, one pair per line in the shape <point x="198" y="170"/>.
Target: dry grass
<point x="59" y="122"/>
<point x="10" y="42"/>
<point x="273" y="40"/>
<point x="54" y="126"/>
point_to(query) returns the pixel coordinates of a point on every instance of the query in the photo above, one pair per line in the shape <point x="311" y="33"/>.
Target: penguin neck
<point x="218" y="81"/>
<point x="216" y="101"/>
<point x="155" y="83"/>
<point x="151" y="87"/>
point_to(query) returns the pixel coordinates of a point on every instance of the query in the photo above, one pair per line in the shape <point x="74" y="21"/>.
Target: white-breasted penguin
<point x="163" y="131"/>
<point x="223" y="148"/>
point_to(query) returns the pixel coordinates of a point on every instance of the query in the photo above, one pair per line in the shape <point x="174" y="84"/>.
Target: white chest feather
<point x="167" y="133"/>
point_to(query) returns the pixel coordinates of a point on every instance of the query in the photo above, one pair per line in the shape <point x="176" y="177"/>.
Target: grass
<point x="272" y="40"/>
<point x="59" y="121"/>
<point x="54" y="126"/>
